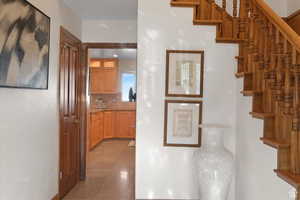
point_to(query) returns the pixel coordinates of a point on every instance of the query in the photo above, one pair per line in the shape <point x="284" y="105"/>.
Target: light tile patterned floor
<point x="110" y="173"/>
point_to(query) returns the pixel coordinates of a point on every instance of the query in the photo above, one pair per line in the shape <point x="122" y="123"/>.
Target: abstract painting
<point x="24" y="45"/>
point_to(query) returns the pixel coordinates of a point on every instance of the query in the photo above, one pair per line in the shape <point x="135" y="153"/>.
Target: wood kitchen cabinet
<point x="111" y="124"/>
<point x="104" y="76"/>
<point x="96" y="129"/>
<point x="125" y="124"/>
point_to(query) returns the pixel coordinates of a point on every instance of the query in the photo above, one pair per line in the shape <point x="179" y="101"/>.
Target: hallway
<point x="110" y="173"/>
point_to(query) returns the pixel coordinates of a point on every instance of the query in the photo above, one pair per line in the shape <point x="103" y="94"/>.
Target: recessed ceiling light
<point x="115" y="56"/>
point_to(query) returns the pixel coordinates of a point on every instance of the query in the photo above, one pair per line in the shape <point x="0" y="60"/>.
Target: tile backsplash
<point x="110" y="100"/>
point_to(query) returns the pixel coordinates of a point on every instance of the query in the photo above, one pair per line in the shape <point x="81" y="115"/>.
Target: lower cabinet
<point x="96" y="129"/>
<point x="111" y="124"/>
<point x="126" y="124"/>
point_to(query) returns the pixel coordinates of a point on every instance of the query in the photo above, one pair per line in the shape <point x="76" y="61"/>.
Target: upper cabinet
<point x="104" y="76"/>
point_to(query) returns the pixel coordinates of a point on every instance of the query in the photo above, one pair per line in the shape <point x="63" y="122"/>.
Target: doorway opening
<point x="109" y="165"/>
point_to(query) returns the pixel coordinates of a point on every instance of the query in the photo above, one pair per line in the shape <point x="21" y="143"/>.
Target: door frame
<point x="67" y="37"/>
<point x="85" y="49"/>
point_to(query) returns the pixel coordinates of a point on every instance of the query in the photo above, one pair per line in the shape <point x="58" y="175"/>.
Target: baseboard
<point x="55" y="197"/>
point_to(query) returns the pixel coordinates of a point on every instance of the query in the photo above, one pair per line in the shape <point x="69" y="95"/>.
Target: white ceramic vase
<point x="214" y="165"/>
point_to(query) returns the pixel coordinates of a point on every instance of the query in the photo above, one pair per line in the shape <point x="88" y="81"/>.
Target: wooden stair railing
<point x="294" y="21"/>
<point x="269" y="62"/>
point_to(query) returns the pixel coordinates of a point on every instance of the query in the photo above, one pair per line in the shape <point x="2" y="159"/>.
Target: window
<point x="128" y="82"/>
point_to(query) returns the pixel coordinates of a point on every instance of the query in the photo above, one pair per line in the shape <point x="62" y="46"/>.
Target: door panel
<point x="69" y="116"/>
<point x="110" y="80"/>
<point x="126" y="124"/>
<point x="108" y="125"/>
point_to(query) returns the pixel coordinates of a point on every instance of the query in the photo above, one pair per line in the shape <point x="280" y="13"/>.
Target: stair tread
<point x="228" y="40"/>
<point x="250" y="92"/>
<point x="261" y="115"/>
<point x="242" y="74"/>
<point x="289" y="177"/>
<point x="274" y="143"/>
<point x="184" y="4"/>
<point x="207" y="22"/>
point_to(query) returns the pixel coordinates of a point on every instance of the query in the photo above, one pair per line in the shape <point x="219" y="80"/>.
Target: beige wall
<point x="119" y="31"/>
<point x="293" y="5"/>
<point x="29" y="124"/>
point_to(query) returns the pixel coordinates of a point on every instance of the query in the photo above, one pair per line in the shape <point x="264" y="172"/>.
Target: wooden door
<point x="69" y="114"/>
<point x="109" y="121"/>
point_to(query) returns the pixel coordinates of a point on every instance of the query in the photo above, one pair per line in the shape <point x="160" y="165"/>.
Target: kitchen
<point x="110" y="161"/>
<point x="112" y="95"/>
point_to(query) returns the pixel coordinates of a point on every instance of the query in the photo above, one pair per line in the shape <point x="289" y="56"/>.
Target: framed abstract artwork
<point x="184" y="73"/>
<point x="182" y="120"/>
<point x="24" y="45"/>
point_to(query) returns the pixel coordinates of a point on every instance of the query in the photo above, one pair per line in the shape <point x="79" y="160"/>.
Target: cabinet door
<point x="109" y="124"/>
<point x="100" y="123"/>
<point x="96" y="80"/>
<point x="94" y="128"/>
<point x="110" y="80"/>
<point x="126" y="124"/>
<point x="132" y="124"/>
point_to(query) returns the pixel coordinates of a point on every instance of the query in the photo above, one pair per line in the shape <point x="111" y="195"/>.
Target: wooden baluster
<point x="235" y="11"/>
<point x="295" y="153"/>
<point x="235" y="27"/>
<point x="213" y="8"/>
<point x="288" y="96"/>
<point x="224" y="4"/>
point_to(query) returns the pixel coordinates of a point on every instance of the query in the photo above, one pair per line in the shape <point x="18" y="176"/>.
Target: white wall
<point x="279" y="6"/>
<point x="29" y="124"/>
<point x="118" y="31"/>
<point x="256" y="161"/>
<point x="165" y="172"/>
<point x="293" y="6"/>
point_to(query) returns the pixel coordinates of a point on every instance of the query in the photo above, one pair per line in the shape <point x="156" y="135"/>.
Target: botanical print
<point x="24" y="45"/>
<point x="183" y="123"/>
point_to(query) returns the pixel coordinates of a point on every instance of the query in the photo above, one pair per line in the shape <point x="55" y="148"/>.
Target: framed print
<point x="184" y="73"/>
<point x="182" y="120"/>
<point x="24" y="45"/>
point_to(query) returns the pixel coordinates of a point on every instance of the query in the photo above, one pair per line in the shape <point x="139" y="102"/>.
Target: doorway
<point x="109" y="143"/>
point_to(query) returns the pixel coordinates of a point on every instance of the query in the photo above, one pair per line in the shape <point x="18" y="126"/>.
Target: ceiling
<point x="128" y="54"/>
<point x="104" y="9"/>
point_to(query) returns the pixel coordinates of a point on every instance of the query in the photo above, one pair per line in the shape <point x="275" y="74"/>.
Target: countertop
<point x="112" y="109"/>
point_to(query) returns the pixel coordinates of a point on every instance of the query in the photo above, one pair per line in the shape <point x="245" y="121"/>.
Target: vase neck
<point x="212" y="137"/>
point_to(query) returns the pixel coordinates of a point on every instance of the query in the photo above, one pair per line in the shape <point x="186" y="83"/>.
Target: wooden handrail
<point x="291" y="16"/>
<point x="283" y="27"/>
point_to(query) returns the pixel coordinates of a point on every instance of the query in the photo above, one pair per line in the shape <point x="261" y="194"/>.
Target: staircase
<point x="269" y="63"/>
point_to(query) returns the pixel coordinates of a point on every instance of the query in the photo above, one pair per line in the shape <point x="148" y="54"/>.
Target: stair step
<point x="184" y="3"/>
<point x="242" y="74"/>
<point x="239" y="74"/>
<point x="249" y="93"/>
<point x="207" y="22"/>
<point x="289" y="177"/>
<point x="274" y="143"/>
<point x="262" y="115"/>
<point x="228" y="40"/>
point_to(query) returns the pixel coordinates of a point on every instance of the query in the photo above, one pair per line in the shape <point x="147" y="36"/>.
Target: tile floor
<point x="110" y="173"/>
